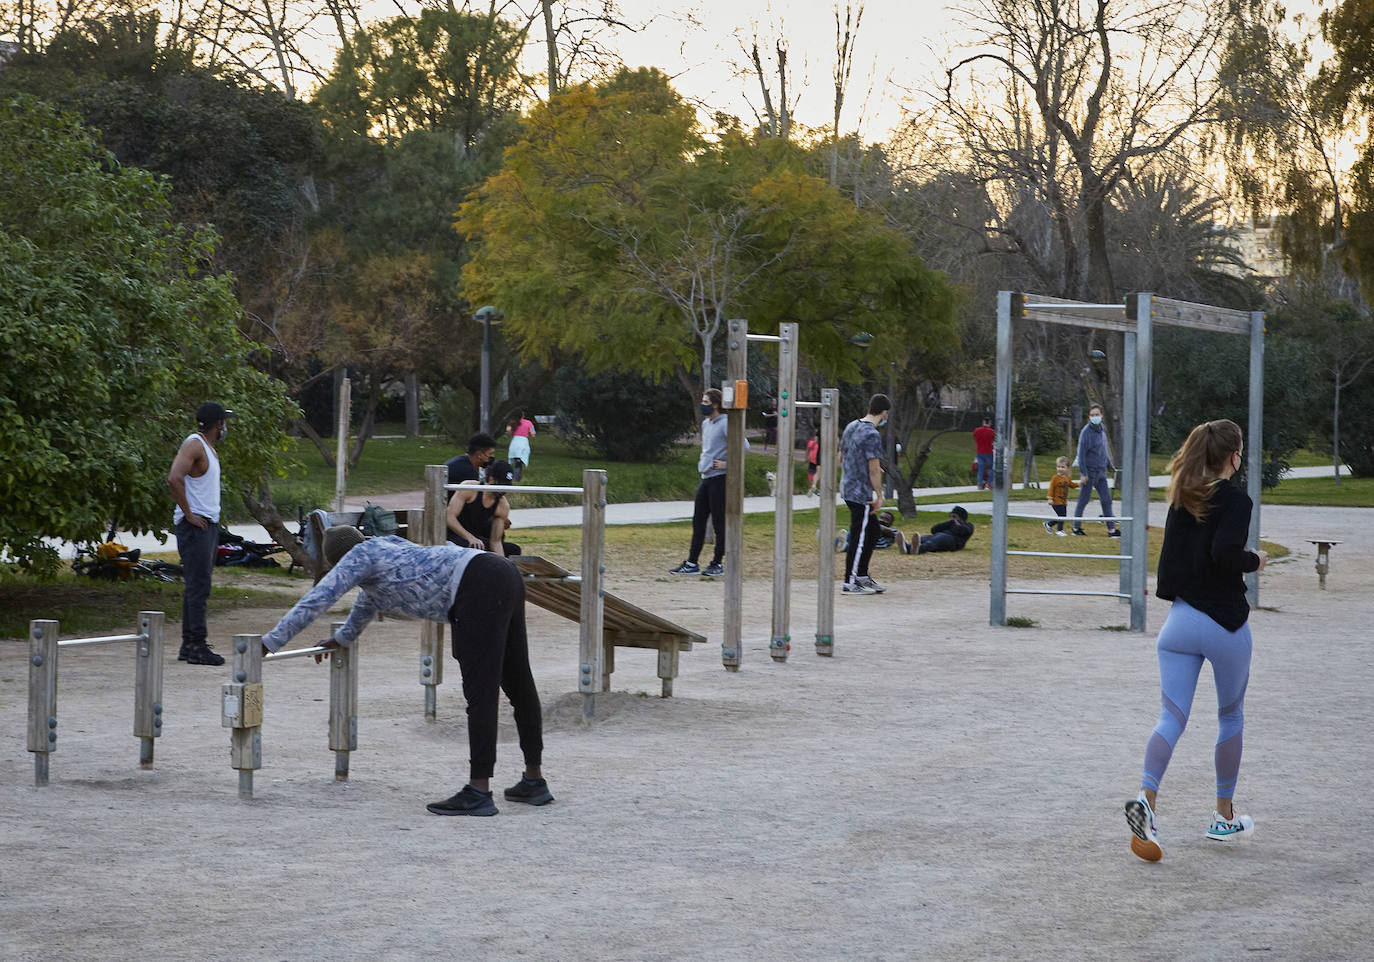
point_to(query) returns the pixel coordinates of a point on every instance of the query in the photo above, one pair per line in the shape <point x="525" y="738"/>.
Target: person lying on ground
<point x="949" y="535"/>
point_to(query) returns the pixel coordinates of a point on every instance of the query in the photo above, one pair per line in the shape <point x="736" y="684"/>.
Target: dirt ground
<point x="939" y="789"/>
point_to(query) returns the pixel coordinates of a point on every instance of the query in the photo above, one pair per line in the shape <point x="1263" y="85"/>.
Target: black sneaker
<point x="531" y="791"/>
<point x="1114" y="533"/>
<point x="200" y="655"/>
<point x="1080" y="531"/>
<point x="686" y="568"/>
<point x="712" y="570"/>
<point x="467" y="802"/>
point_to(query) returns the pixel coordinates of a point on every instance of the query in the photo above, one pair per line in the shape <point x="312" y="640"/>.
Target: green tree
<point x="619" y="232"/>
<point x="112" y="334"/>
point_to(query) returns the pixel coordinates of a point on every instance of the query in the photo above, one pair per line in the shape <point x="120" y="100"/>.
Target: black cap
<point x="500" y="472"/>
<point x="210" y="412"/>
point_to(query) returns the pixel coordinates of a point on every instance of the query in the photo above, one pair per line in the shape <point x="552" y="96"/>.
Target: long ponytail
<point x="1197" y="465"/>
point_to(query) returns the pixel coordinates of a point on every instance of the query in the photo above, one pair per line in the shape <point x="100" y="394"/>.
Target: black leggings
<point x="488" y="624"/>
<point x="710" y="501"/>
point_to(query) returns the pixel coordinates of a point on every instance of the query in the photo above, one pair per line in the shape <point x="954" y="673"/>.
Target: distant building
<point x="1260" y="246"/>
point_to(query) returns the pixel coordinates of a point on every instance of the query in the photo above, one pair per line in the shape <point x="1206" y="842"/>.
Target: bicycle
<point x="113" y="562"/>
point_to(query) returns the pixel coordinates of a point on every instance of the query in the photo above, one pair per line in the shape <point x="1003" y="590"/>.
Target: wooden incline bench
<point x="624" y="625"/>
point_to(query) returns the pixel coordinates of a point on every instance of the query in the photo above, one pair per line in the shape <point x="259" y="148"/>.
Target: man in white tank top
<point x="194" y="480"/>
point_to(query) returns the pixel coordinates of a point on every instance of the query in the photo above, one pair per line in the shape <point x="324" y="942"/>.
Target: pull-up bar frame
<point x="1135" y="318"/>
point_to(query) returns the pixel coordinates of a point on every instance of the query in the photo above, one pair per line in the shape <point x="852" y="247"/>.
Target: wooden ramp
<point x="624" y="625"/>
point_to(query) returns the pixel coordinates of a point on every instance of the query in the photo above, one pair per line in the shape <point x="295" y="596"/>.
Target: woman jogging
<point x="1201" y="570"/>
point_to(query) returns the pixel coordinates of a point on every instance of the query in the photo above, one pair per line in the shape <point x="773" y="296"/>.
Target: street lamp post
<point x="488" y="316"/>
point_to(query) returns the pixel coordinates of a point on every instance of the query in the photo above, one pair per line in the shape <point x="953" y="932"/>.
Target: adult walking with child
<point x="1202" y="567"/>
<point x="1094" y="462"/>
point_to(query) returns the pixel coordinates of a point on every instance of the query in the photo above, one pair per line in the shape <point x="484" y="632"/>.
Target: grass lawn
<point x="633" y="549"/>
<point x="91" y="606"/>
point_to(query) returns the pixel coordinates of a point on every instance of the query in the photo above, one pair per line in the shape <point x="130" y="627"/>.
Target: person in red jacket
<point x="983" y="438"/>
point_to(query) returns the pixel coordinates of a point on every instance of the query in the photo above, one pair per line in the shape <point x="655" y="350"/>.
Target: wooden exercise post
<point x="242" y="704"/>
<point x="44" y="645"/>
<point x="780" y="642"/>
<point x="593" y="608"/>
<point x="432" y="632"/>
<point x="825" y="532"/>
<point x="736" y="372"/>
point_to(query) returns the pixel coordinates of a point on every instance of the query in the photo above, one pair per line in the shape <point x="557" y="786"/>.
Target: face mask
<point x="1096" y="419"/>
<point x="224" y="430"/>
<point x="706" y="409"/>
<point x="882" y="423"/>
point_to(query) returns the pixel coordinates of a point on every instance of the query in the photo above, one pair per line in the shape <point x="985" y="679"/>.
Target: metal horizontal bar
<point x="1056" y="518"/>
<point x="1048" y="591"/>
<point x="526" y="488"/>
<point x="1069" y="554"/>
<point x="101" y="640"/>
<point x="808" y="404"/>
<point x="296" y="653"/>
<point x="770" y="338"/>
<point x="547" y="579"/>
<point x="1072" y="307"/>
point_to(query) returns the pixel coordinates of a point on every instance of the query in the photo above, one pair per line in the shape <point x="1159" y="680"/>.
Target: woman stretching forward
<point x="1201" y="570"/>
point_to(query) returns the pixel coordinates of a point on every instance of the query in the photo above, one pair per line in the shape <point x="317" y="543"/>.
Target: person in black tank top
<point x="478" y="519"/>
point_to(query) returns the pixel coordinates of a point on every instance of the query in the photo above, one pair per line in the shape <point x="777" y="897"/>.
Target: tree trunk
<point x="551" y="42"/>
<point x="412" y="405"/>
<point x="264" y="511"/>
<point x="374" y="396"/>
<point x="1336" y="431"/>
<point x="326" y="452"/>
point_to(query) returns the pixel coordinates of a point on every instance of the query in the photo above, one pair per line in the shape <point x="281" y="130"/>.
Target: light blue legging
<point x="1188" y="637"/>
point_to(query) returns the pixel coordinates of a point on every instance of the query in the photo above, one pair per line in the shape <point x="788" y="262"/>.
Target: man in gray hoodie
<point x="1095" y="463"/>
<point x="710" y="500"/>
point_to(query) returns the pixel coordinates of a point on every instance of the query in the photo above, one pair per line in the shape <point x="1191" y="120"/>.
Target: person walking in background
<point x="983" y="439"/>
<point x="813" y="461"/>
<point x="1202" y="567"/>
<point x="1094" y="464"/>
<point x="521" y="430"/>
<point x="710" y="500"/>
<point x="194" y="480"/>
<point x="861" y="486"/>
<point x="482" y="597"/>
<point x="1059" y="495"/>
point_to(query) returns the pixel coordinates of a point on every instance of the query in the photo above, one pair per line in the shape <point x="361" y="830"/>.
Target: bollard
<point x="148" y="684"/>
<point x="242" y="710"/>
<point x="343" y="706"/>
<point x="42" y="696"/>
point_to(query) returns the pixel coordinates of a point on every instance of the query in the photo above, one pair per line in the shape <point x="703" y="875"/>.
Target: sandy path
<point x="940" y="789"/>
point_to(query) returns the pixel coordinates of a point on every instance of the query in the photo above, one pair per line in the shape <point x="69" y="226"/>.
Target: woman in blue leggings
<point x="1202" y="567"/>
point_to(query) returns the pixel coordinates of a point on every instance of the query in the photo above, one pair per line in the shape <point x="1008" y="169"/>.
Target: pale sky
<point x="900" y="43"/>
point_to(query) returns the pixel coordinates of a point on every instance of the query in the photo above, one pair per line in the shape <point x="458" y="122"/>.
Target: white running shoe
<point x="1144" y="835"/>
<point x="1226" y="829"/>
<point x="868" y="582"/>
<point x="1061" y="534"/>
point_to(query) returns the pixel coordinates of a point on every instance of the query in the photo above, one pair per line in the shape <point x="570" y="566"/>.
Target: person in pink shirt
<point x="813" y="460"/>
<point x="521" y="430"/>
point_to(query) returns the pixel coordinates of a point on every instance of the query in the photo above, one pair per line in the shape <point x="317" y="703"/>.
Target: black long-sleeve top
<point x="961" y="530"/>
<point x="1205" y="564"/>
